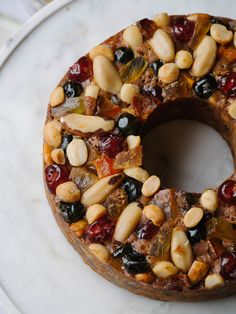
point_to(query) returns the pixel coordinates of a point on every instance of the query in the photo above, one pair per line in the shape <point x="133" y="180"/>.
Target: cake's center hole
<point x="187" y="155"/>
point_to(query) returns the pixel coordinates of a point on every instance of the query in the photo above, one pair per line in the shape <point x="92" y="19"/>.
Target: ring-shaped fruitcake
<point x="155" y="241"/>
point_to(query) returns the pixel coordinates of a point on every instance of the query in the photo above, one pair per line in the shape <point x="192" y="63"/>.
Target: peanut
<point x="209" y="200"/>
<point x="101" y="50"/>
<point x="193" y="217"/>
<point x="151" y="186"/>
<point x="77" y="152"/>
<point x="128" y="91"/>
<point x="100" y="251"/>
<point x="164" y="269"/>
<point x="214" y="280"/>
<point x="53" y="133"/>
<point x="155" y="214"/>
<point x="137" y="173"/>
<point x="68" y="192"/>
<point x="58" y="156"/>
<point x="57" y="97"/>
<point x="183" y="59"/>
<point x="221" y="34"/>
<point x="161" y="19"/>
<point x="168" y="73"/>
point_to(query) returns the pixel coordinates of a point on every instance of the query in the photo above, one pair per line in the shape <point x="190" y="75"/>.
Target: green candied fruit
<point x="80" y="108"/>
<point x="133" y="70"/>
<point x="71" y="105"/>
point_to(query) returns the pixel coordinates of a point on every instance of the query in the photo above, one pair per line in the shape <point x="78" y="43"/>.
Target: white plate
<point x="39" y="270"/>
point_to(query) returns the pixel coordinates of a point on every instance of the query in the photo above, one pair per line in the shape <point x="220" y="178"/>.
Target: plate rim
<point x="32" y="23"/>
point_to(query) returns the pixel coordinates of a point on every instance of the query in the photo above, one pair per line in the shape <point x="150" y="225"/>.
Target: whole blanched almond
<point x="86" y="123"/>
<point x="77" y="152"/>
<point x="181" y="251"/>
<point x="98" y="192"/>
<point x="106" y="75"/>
<point x="132" y="36"/>
<point x="127" y="221"/>
<point x="53" y="133"/>
<point x="204" y="56"/>
<point x="163" y="46"/>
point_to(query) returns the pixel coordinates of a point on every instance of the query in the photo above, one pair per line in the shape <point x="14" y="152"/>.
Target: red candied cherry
<point x="100" y="230"/>
<point x="228" y="265"/>
<point x="183" y="29"/>
<point x="146" y="230"/>
<point x="227" y="84"/>
<point x="111" y="144"/>
<point x="227" y="192"/>
<point x="148" y="28"/>
<point x="55" y="175"/>
<point x="81" y="70"/>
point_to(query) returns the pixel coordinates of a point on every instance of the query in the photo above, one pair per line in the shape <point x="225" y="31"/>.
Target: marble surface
<point x="39" y="270"/>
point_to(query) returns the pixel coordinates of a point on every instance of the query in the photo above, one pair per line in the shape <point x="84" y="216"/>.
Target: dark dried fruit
<point x="155" y="92"/>
<point x="111" y="144"/>
<point x="122" y="250"/>
<point x="197" y="233"/>
<point x="227" y="192"/>
<point x="205" y="86"/>
<point x="146" y="230"/>
<point x="128" y="124"/>
<point x="155" y="66"/>
<point x="132" y="188"/>
<point x="55" y="175"/>
<point x="135" y="262"/>
<point x="72" y="89"/>
<point x="100" y="231"/>
<point x="228" y="265"/>
<point x="227" y="84"/>
<point x="71" y="212"/>
<point x="81" y="70"/>
<point x="183" y="29"/>
<point x="147" y="27"/>
<point x="123" y="55"/>
<point x="67" y="138"/>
